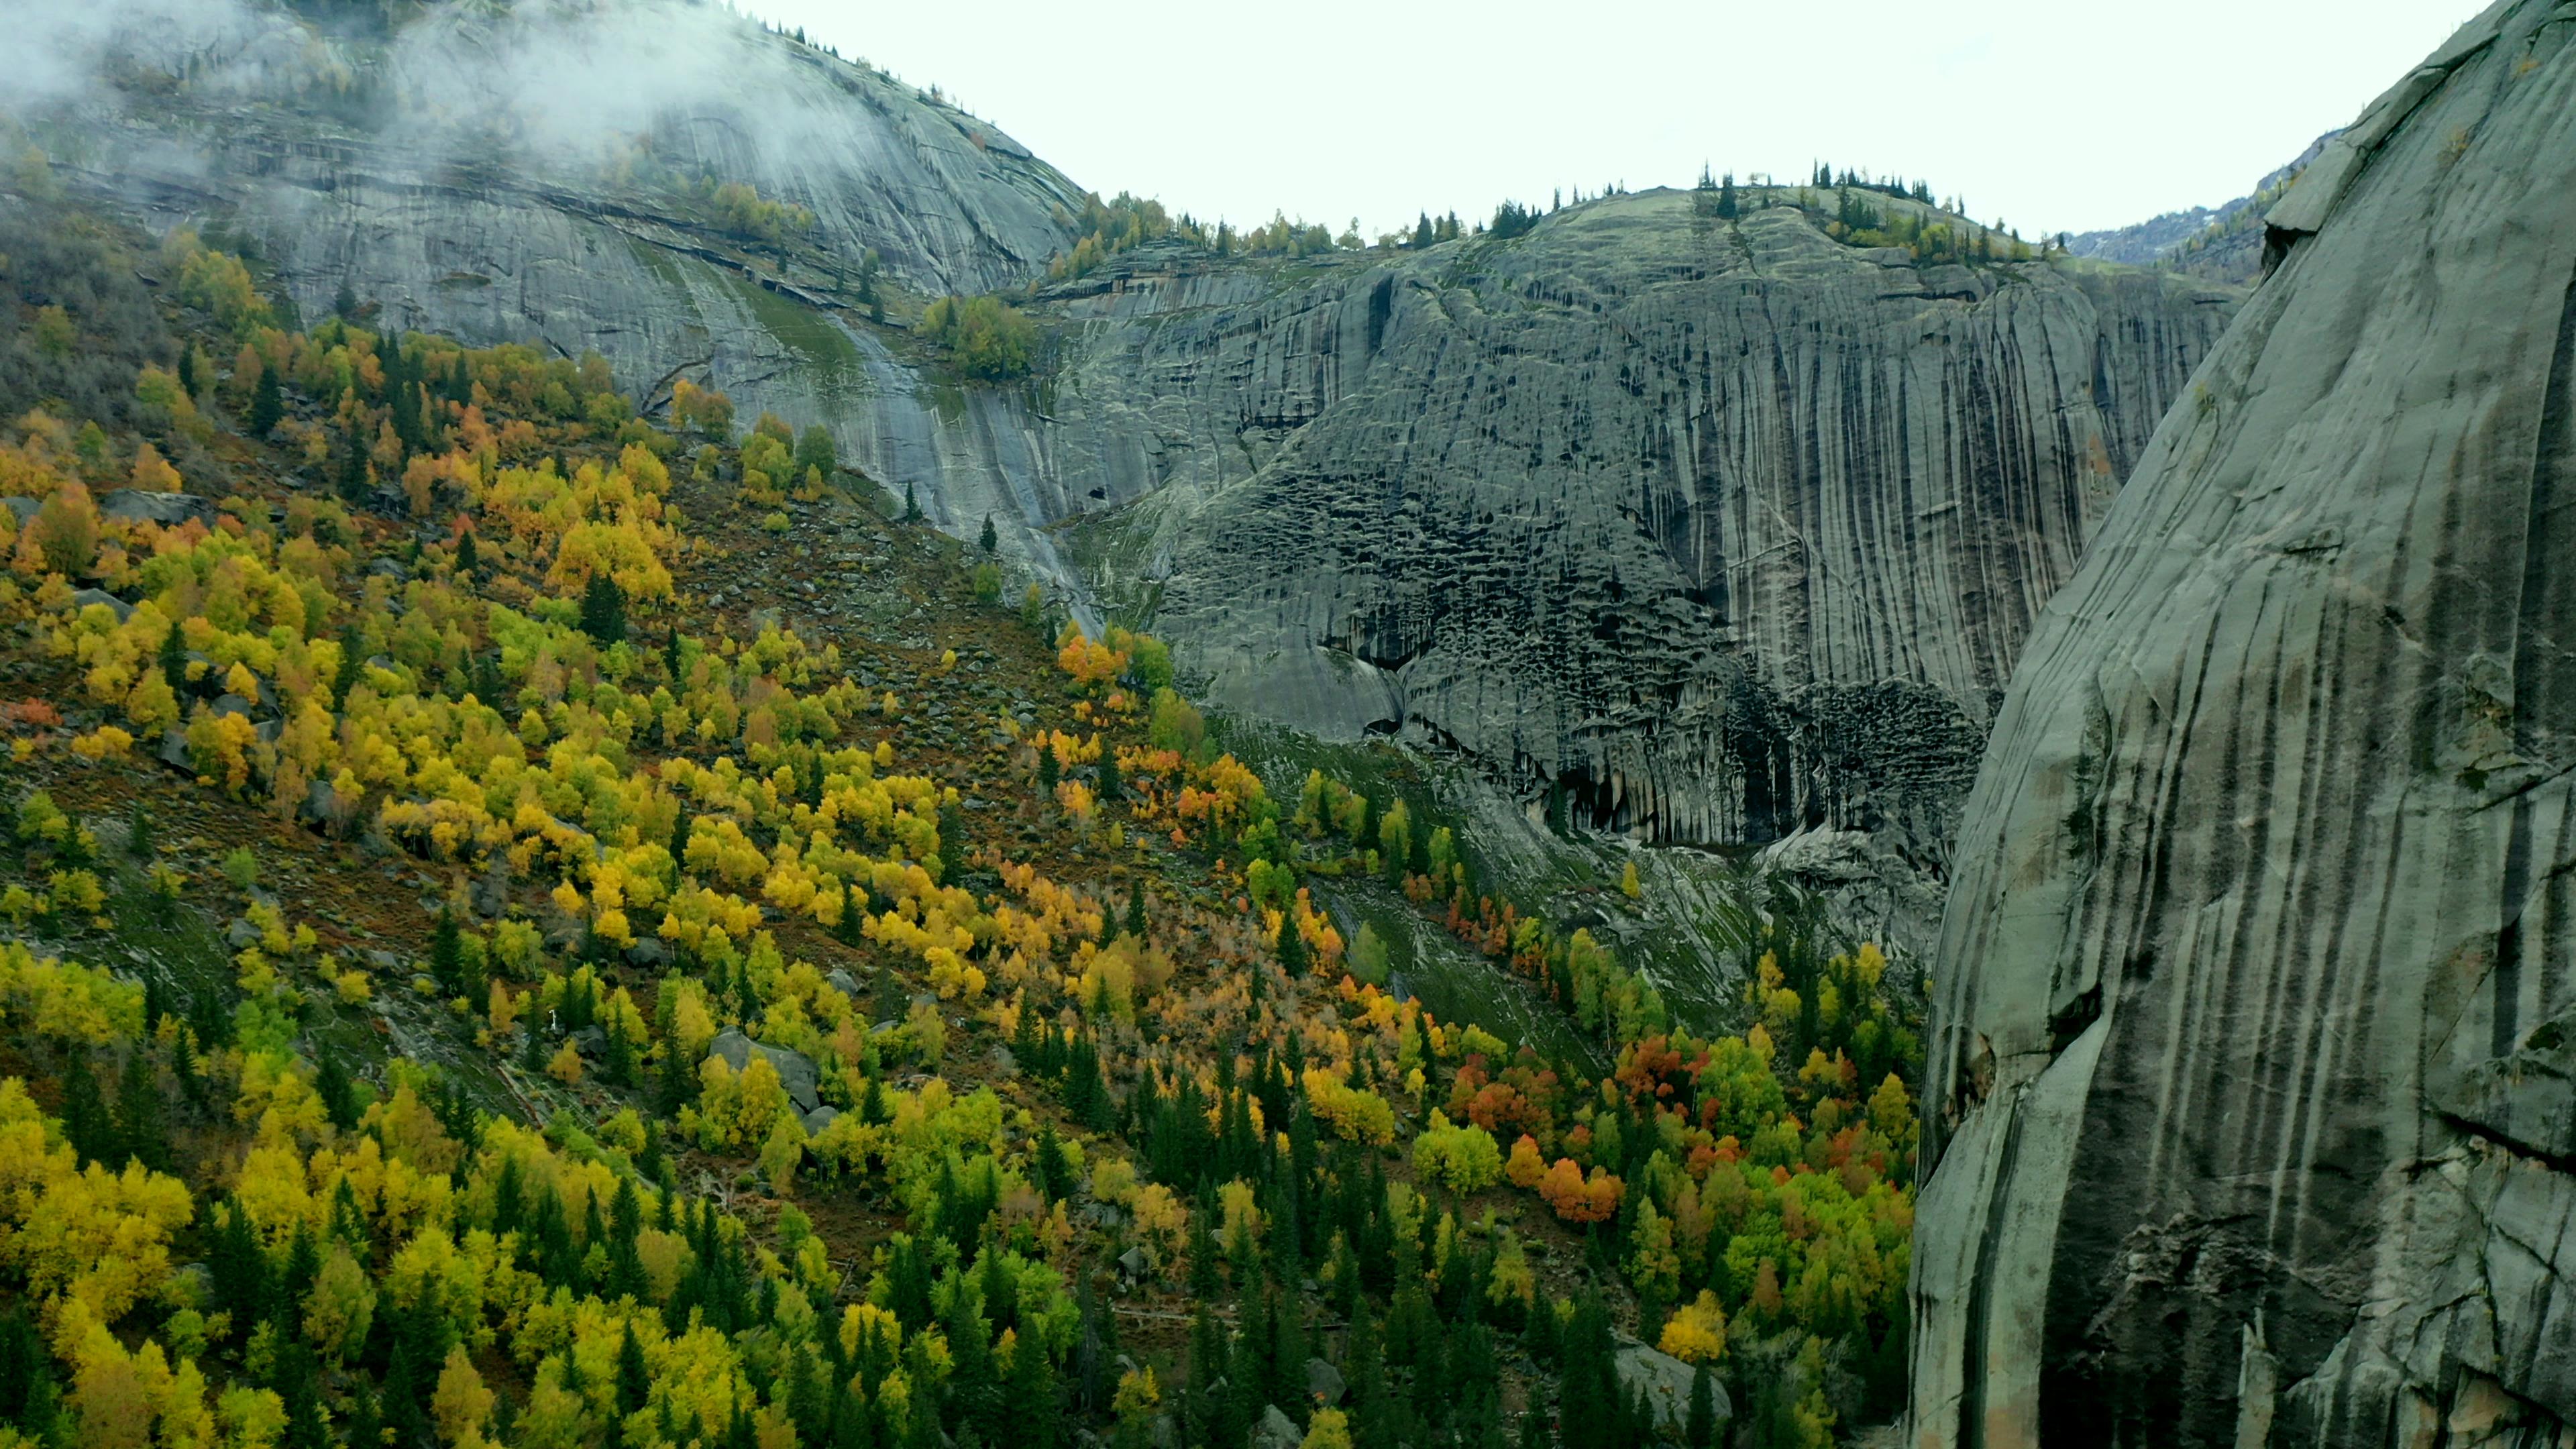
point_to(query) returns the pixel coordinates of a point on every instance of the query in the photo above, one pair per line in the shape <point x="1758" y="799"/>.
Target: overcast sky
<point x="2066" y="116"/>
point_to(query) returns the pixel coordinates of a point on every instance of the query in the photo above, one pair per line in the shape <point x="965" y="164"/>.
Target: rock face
<point x="545" y="172"/>
<point x="1712" y="528"/>
<point x="1720" y="527"/>
<point x="2249" y="1083"/>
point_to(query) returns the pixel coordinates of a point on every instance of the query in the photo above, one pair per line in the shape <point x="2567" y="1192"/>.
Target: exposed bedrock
<point x="1722" y="527"/>
<point x="1716" y="529"/>
<point x="2250" y="1083"/>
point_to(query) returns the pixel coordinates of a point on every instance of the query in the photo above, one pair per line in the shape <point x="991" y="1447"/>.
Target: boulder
<point x="795" y="1070"/>
<point x="83" y="598"/>
<point x="1276" y="1430"/>
<point x="1664" y="1381"/>
<point x="840" y="980"/>
<point x="647" y="952"/>
<point x="820" y="1118"/>
<point x="590" y="1041"/>
<point x="138" y="505"/>
<point x="25" y="509"/>
<point x="2243" y="1120"/>
<point x="1324" y="1383"/>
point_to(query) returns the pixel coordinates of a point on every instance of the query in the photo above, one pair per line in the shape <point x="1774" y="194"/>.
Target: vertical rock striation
<point x="2250" y="1092"/>
<point x="1721" y="527"/>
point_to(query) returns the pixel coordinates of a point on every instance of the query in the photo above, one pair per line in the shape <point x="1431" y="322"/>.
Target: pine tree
<point x="911" y="505"/>
<point x="141" y="1125"/>
<point x="27" y="1392"/>
<point x="1701" y="1430"/>
<point x="339" y="1096"/>
<point x="603" y="610"/>
<point x="1135" y="923"/>
<point x="988" y="541"/>
<point x="1291" y="946"/>
<point x="634" y="1380"/>
<point x="1110" y="787"/>
<point x="1055" y="1170"/>
<point x="1047" y="774"/>
<point x="1032" y="1398"/>
<point x="86" y="1123"/>
<point x="267" y="404"/>
<point x="173" y="660"/>
<point x="447" y="953"/>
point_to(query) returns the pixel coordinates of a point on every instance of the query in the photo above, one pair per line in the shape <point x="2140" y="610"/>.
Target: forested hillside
<point x="528" y="925"/>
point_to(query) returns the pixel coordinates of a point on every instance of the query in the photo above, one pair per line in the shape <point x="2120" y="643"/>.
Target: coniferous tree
<point x="142" y="1128"/>
<point x="27" y="1392"/>
<point x="339" y="1096"/>
<point x="603" y="610"/>
<point x="447" y="953"/>
<point x="1700" y="1431"/>
<point x="634" y="1379"/>
<point x="87" y="1126"/>
<point x="1204" y="1405"/>
<point x="173" y="659"/>
<point x="1291" y="946"/>
<point x="267" y="404"/>
<point x="911" y="505"/>
<point x="1135" y="923"/>
<point x="988" y="541"/>
<point x="1110" y="787"/>
<point x="1046" y="770"/>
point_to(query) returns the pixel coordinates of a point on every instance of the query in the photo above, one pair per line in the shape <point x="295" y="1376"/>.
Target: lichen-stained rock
<point x="546" y="172"/>
<point x="2247" y="1113"/>
<point x="1721" y="525"/>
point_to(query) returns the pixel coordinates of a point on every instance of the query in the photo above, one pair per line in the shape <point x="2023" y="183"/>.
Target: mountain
<point x="1719" y="529"/>
<point x="2247" y="1109"/>
<point x="2223" y="243"/>
<point x="1788" y="504"/>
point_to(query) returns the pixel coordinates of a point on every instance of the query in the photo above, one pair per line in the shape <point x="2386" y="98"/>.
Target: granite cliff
<point x="1721" y="528"/>
<point x="2249" y="1093"/>
<point x="1715" y="529"/>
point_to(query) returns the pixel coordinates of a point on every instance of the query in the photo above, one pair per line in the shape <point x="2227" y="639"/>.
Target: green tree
<point x="988" y="540"/>
<point x="816" y="450"/>
<point x="87" y="1125"/>
<point x="603" y="610"/>
<point x="142" y="1128"/>
<point x="267" y="404"/>
<point x="986" y="338"/>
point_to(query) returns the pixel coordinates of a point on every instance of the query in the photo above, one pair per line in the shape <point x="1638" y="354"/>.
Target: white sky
<point x="2065" y="116"/>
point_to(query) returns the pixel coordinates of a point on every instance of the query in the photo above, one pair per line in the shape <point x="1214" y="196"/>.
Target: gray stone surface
<point x="142" y="505"/>
<point x="1724" y="528"/>
<point x="1276" y="1430"/>
<point x="795" y="1069"/>
<point x="1665" y="1381"/>
<point x="1324" y="1383"/>
<point x="83" y="598"/>
<point x="2246" y="1115"/>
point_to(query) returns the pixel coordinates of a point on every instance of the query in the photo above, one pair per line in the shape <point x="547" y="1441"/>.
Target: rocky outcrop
<point x="1713" y="529"/>
<point x="545" y="172"/>
<point x="1720" y="527"/>
<point x="2248" y="1093"/>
